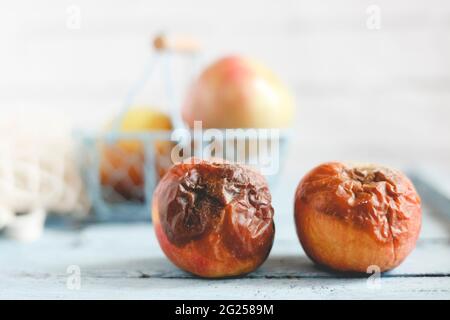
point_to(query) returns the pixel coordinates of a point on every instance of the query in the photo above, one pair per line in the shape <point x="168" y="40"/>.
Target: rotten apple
<point x="350" y="217"/>
<point x="214" y="218"/>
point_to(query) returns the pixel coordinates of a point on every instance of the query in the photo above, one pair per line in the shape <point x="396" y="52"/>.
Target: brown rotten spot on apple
<point x="352" y="216"/>
<point x="213" y="218"/>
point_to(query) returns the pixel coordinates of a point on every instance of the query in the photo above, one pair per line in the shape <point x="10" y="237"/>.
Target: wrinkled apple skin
<point x="350" y="217"/>
<point x="213" y="219"/>
<point x="237" y="92"/>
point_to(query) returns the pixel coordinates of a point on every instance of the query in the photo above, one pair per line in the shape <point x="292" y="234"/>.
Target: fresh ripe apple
<point x="350" y="217"/>
<point x="237" y="92"/>
<point x="122" y="163"/>
<point x="213" y="219"/>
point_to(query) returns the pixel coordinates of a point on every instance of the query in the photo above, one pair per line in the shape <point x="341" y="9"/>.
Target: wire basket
<point x="118" y="184"/>
<point x="122" y="169"/>
<point x="121" y="190"/>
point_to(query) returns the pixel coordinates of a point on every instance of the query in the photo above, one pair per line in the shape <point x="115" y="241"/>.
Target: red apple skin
<point x="350" y="217"/>
<point x="227" y="238"/>
<point x="238" y="92"/>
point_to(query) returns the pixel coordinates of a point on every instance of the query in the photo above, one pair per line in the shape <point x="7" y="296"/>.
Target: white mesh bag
<point x="37" y="175"/>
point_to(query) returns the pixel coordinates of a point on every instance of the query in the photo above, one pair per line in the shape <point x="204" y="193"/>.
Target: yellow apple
<point x="122" y="163"/>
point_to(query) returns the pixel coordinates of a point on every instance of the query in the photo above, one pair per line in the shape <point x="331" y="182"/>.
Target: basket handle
<point x="177" y="43"/>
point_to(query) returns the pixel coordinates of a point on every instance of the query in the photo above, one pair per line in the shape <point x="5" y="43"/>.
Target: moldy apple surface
<point x="350" y="217"/>
<point x="214" y="219"/>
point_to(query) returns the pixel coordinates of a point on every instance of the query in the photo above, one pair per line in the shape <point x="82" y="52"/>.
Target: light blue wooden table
<point x="125" y="262"/>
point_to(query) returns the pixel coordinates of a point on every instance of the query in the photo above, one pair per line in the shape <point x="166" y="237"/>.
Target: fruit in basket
<point x="350" y="217"/>
<point x="214" y="218"/>
<point x="238" y="92"/>
<point x="122" y="162"/>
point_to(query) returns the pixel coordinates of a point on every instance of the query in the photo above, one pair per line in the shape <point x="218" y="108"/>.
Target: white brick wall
<point x="379" y="95"/>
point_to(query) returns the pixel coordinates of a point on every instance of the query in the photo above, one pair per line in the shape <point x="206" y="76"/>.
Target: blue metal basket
<point x="109" y="203"/>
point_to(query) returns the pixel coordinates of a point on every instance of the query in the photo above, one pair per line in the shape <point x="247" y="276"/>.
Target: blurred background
<point x="371" y="78"/>
<point x="362" y="92"/>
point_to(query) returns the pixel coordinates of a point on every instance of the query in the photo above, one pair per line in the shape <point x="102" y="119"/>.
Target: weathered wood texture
<point x="125" y="261"/>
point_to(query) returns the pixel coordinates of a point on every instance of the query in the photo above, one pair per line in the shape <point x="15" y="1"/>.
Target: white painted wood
<point x="125" y="261"/>
<point x="307" y="288"/>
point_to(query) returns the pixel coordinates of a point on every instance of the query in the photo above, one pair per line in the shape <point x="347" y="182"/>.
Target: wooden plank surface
<point x="125" y="261"/>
